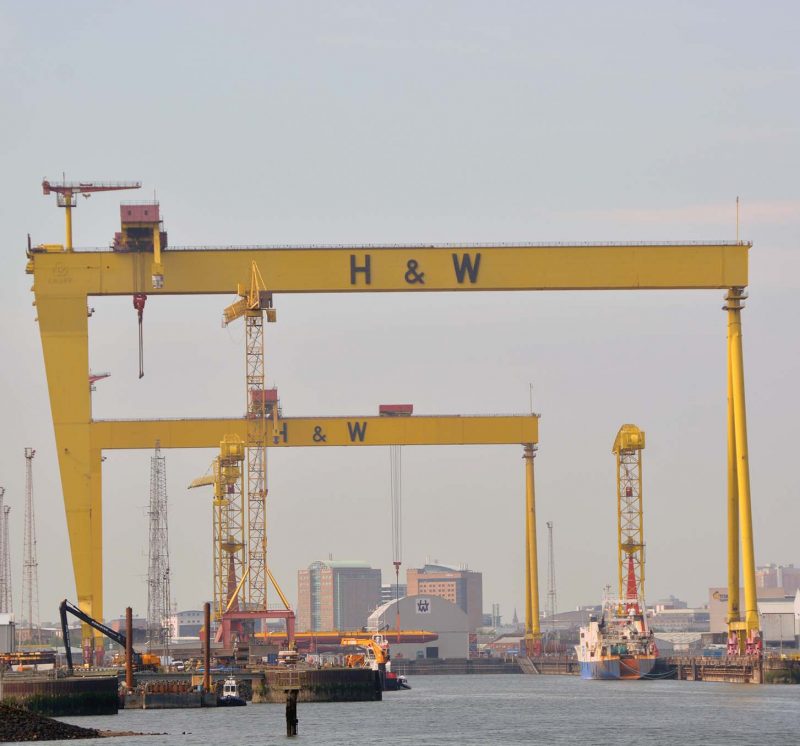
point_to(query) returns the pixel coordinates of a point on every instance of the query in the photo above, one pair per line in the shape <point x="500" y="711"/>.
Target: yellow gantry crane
<point x="65" y="279"/>
<point x="628" y="447"/>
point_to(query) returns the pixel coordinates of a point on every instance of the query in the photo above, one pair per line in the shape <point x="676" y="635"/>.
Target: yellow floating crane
<point x="628" y="447"/>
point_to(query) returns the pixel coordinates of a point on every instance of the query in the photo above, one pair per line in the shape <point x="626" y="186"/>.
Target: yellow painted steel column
<point x="735" y="297"/>
<point x="64" y="330"/>
<point x="733" y="499"/>
<point x="532" y="629"/>
<point x="68" y="211"/>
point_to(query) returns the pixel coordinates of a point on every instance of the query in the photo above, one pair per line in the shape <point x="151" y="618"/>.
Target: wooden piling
<point x="129" y="648"/>
<point x="291" y="712"/>
<point x="207" y="648"/>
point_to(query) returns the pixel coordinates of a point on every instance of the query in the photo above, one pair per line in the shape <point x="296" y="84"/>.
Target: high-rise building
<point x="460" y="586"/>
<point x="779" y="576"/>
<point x="393" y="591"/>
<point x="336" y="595"/>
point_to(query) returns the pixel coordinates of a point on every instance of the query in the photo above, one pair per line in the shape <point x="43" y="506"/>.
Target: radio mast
<point x="158" y="592"/>
<point x="6" y="600"/>
<point x="30" y="565"/>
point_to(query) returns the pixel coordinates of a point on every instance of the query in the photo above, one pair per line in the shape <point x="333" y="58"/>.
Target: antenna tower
<point x="30" y="565"/>
<point x="552" y="603"/>
<point x="6" y="600"/>
<point x="158" y="592"/>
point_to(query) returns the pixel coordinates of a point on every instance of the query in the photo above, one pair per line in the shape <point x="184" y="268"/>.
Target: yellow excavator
<point x="375" y="656"/>
<point x="376" y="652"/>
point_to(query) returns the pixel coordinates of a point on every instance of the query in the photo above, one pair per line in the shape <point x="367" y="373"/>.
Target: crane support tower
<point x="64" y="280"/>
<point x="628" y="447"/>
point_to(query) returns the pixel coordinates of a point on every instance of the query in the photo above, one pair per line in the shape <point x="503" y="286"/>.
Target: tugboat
<point x="230" y="694"/>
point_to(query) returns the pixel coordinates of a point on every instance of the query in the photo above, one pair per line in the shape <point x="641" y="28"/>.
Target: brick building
<point x="462" y="587"/>
<point x="336" y="595"/>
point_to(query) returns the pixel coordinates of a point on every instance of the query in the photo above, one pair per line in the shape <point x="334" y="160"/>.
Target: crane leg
<point x="63" y="324"/>
<point x="733" y="515"/>
<point x="750" y="628"/>
<point x="532" y="629"/>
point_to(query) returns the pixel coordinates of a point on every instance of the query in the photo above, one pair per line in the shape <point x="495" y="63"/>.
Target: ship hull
<point x="636" y="667"/>
<point x="603" y="669"/>
<point x="626" y="667"/>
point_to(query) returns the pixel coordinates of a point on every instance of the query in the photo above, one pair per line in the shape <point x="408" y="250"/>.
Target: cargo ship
<point x="617" y="645"/>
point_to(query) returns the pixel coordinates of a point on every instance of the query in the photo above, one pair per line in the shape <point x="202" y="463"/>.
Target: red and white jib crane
<point x="628" y="447"/>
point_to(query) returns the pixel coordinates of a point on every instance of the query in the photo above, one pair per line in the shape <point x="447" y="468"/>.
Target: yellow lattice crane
<point x="628" y="447"/>
<point x="228" y="523"/>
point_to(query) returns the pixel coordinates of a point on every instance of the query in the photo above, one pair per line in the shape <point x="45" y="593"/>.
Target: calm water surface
<point x="502" y="709"/>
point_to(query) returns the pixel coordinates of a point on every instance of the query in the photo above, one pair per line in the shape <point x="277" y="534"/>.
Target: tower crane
<point x="628" y="447"/>
<point x="241" y="571"/>
<point x="228" y="524"/>
<point x="255" y="302"/>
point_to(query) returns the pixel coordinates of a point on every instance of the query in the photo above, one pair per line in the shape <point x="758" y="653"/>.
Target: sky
<point x="370" y="122"/>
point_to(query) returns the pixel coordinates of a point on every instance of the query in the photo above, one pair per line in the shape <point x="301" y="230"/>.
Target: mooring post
<point x="207" y="648"/>
<point x="291" y="712"/>
<point x="129" y="648"/>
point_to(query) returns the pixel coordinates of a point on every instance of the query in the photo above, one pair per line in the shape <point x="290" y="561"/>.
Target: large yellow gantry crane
<point x="64" y="279"/>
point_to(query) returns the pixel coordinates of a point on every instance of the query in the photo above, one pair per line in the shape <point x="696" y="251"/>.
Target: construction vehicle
<point x="141" y="662"/>
<point x="376" y="651"/>
<point x="375" y="656"/>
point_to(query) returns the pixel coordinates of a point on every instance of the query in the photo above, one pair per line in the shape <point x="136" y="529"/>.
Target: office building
<point x="336" y="595"/>
<point x="460" y="586"/>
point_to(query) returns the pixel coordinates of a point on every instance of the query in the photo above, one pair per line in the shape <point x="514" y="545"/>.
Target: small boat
<point x="230" y="694"/>
<point x="402" y="682"/>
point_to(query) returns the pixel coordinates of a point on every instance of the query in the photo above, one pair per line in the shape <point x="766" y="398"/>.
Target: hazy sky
<point x="348" y="122"/>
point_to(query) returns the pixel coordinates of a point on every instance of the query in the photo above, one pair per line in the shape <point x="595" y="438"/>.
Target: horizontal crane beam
<point x="416" y="269"/>
<point x="320" y="431"/>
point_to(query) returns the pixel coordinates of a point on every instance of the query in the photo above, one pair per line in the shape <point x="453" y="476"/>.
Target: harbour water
<point x="495" y="710"/>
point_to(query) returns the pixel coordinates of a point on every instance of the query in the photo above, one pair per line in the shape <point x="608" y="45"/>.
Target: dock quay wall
<point x="48" y="695"/>
<point x="319" y="685"/>
<point x="738" y="669"/>
<point x="436" y="666"/>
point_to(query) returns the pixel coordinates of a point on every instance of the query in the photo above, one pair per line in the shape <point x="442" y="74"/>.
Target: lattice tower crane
<point x="228" y="525"/>
<point x="254" y="304"/>
<point x="628" y="447"/>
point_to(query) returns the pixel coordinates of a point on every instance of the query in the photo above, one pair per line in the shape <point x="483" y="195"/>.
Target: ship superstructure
<point x="617" y="644"/>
